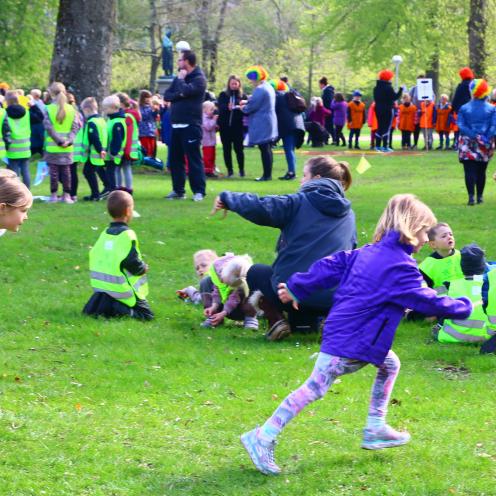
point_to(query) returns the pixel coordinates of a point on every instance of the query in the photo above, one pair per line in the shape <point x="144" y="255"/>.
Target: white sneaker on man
<point x="197" y="197"/>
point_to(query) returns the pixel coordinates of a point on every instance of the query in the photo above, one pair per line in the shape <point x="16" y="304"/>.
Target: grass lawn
<point x="121" y="408"/>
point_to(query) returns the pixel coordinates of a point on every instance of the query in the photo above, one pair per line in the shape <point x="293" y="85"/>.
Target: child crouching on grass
<point x="229" y="297"/>
<point x="375" y="285"/>
<point x="117" y="271"/>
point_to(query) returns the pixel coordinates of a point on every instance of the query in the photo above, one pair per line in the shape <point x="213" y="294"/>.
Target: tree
<point x="476" y="29"/>
<point x="82" y="53"/>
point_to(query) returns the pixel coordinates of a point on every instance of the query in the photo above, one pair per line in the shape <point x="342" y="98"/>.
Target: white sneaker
<point x="197" y="197"/>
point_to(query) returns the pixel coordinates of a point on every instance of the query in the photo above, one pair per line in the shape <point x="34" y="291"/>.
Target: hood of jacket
<point x="327" y="196"/>
<point x="16" y="111"/>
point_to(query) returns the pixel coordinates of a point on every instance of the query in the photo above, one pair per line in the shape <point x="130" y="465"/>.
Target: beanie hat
<point x="473" y="260"/>
<point x="356" y="93"/>
<point x="466" y="73"/>
<point x="256" y="73"/>
<point x="479" y="89"/>
<point x="385" y="75"/>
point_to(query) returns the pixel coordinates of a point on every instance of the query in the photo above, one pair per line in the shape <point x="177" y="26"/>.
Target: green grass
<point x="118" y="408"/>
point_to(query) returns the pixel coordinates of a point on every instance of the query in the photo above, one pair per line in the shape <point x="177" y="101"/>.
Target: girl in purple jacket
<point x="339" y="110"/>
<point x="376" y="283"/>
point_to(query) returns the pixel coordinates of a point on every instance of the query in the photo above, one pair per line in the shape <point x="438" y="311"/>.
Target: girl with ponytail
<point x="61" y="124"/>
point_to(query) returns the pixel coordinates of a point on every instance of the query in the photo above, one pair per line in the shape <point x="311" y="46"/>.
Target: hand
<point x="229" y="106"/>
<point x="182" y="73"/>
<point x="147" y="268"/>
<point x="103" y="154"/>
<point x="218" y="205"/>
<point x="217" y="318"/>
<point x="285" y="295"/>
<point x="210" y="310"/>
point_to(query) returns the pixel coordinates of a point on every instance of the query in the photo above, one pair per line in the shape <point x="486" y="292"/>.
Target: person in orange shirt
<point x="406" y="124"/>
<point x="372" y="123"/>
<point x="427" y="115"/>
<point x="443" y="121"/>
<point x="356" y="118"/>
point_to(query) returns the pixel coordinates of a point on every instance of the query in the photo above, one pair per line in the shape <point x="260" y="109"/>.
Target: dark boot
<point x="278" y="326"/>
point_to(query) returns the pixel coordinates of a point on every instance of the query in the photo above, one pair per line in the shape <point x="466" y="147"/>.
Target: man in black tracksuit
<point x="186" y="94"/>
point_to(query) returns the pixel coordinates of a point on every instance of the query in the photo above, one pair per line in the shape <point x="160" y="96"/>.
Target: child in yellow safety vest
<point x="202" y="260"/>
<point x="229" y="297"/>
<point x="476" y="327"/>
<point x="117" y="271"/>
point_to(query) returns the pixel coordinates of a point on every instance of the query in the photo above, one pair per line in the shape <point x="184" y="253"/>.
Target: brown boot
<point x="278" y="326"/>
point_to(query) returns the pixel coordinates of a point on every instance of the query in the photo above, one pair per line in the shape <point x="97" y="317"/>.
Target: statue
<point x="167" y="57"/>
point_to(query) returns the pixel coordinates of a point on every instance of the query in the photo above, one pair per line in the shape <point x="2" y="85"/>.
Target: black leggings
<point x="475" y="177"/>
<point x="267" y="159"/>
<point x="231" y="139"/>
<point x="338" y="135"/>
<point x="384" y="121"/>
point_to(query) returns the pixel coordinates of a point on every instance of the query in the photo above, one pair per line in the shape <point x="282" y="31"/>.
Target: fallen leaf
<point x="78" y="407"/>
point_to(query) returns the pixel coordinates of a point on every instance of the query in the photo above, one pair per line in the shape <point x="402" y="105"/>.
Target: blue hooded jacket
<point x="477" y="117"/>
<point x="315" y="222"/>
<point x="376" y="283"/>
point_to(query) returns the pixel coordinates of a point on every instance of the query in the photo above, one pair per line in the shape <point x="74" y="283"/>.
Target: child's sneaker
<point x="384" y="437"/>
<point x="251" y="323"/>
<point x="261" y="452"/>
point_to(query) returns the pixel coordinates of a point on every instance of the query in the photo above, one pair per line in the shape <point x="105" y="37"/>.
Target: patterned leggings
<point x="327" y="369"/>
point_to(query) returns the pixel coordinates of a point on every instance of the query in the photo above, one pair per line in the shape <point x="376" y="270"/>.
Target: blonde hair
<point x="407" y="215"/>
<point x="325" y="166"/>
<point x="445" y="96"/>
<point x="208" y="106"/>
<point x="234" y="272"/>
<point x="111" y="102"/>
<point x="35" y="93"/>
<point x="13" y="192"/>
<point x="89" y="103"/>
<point x="59" y="97"/>
<point x="12" y="97"/>
<point x="210" y="255"/>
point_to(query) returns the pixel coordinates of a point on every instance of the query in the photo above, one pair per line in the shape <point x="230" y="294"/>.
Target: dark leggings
<point x="90" y="171"/>
<point x="74" y="179"/>
<point x="384" y="121"/>
<point x="406" y="138"/>
<point x="339" y="135"/>
<point x="266" y="154"/>
<point x="62" y="171"/>
<point x="356" y="134"/>
<point x="232" y="140"/>
<point x="475" y="177"/>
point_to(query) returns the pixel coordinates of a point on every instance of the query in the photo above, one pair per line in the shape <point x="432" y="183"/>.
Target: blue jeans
<point x="21" y="167"/>
<point x="288" y="143"/>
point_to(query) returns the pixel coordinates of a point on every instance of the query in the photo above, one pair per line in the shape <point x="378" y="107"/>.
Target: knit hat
<point x="256" y="73"/>
<point x="356" y="93"/>
<point x="385" y="75"/>
<point x="466" y="73"/>
<point x="473" y="260"/>
<point x="279" y="85"/>
<point x="479" y="89"/>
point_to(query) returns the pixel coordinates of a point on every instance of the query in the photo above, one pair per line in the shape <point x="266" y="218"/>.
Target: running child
<point x="375" y="285"/>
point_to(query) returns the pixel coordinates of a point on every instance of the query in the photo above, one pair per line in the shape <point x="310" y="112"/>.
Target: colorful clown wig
<point x="479" y="89"/>
<point x="279" y="85"/>
<point x="466" y="73"/>
<point x="385" y="75"/>
<point x="257" y="73"/>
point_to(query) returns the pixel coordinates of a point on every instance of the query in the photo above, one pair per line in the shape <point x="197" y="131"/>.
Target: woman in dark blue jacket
<point x="315" y="222"/>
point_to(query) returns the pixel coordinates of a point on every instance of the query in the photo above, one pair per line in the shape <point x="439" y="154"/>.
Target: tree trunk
<point x="204" y="33"/>
<point x="154" y="32"/>
<point x="214" y="48"/>
<point x="476" y="28"/>
<point x="433" y="72"/>
<point x="82" y="53"/>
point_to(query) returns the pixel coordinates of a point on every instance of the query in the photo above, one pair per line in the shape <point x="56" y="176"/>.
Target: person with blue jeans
<point x="290" y="127"/>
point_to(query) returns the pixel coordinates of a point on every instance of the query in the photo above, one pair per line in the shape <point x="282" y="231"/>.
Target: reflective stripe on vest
<point x="63" y="129"/>
<point x="105" y="268"/>
<point x="80" y="150"/>
<point x="110" y="128"/>
<point x="474" y="328"/>
<point x="223" y="288"/>
<point x="20" y="137"/>
<point x="101" y="129"/>
<point x="3" y="151"/>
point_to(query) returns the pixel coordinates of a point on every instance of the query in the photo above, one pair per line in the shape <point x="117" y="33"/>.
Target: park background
<point x="119" y="408"/>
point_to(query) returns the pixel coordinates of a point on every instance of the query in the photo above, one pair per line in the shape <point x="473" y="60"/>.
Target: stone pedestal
<point x="163" y="82"/>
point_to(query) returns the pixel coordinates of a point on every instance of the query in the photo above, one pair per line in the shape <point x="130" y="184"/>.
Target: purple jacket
<point x="339" y="112"/>
<point x="376" y="283"/>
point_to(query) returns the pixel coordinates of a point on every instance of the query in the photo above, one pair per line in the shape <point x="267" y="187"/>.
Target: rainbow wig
<point x="479" y="89"/>
<point x="256" y="73"/>
<point x="279" y="85"/>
